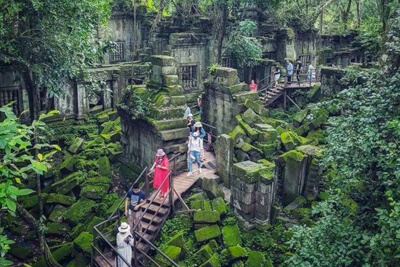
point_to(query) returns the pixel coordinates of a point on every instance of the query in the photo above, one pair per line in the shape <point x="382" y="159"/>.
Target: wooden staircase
<point x="271" y="95"/>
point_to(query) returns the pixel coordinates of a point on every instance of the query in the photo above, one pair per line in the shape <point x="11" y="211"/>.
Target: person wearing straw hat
<point x="161" y="171"/>
<point x="124" y="245"/>
<point x="135" y="198"/>
<point x="198" y="127"/>
<point x="195" y="145"/>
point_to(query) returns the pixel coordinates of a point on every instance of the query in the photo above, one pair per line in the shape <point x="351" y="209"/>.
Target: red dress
<point x="160" y="174"/>
<point x="253" y="87"/>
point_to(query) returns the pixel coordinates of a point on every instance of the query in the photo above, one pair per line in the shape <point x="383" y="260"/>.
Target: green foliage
<point x="245" y="48"/>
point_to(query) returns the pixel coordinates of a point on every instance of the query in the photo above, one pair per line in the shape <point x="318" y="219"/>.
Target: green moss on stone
<point x="231" y="235"/>
<point x="60" y="199"/>
<point x="219" y="205"/>
<point x="172" y="252"/>
<point x="56" y="228"/>
<point x="104" y="166"/>
<point x="256" y="106"/>
<point x="57" y="212"/>
<point x="20" y="252"/>
<point x="79" y="211"/>
<point x="207" y="233"/>
<point x="250" y="132"/>
<point x="250" y="117"/>
<point x="69" y="182"/>
<point x="255" y="259"/>
<point x="238" y="134"/>
<point x="206" y="217"/>
<point x="95" y="192"/>
<point x="247" y="171"/>
<point x="212" y="262"/>
<point x="79" y="261"/>
<point x="177" y="240"/>
<point x="237" y="252"/>
<point x="203" y="204"/>
<point x="84" y="242"/>
<point x="67" y="166"/>
<point x="76" y="145"/>
<point x="59" y="255"/>
<point x="293" y="155"/>
<point x="291" y="140"/>
<point x="203" y="254"/>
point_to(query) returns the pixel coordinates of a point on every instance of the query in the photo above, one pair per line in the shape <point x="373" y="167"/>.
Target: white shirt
<point x="187" y="112"/>
<point x="195" y="144"/>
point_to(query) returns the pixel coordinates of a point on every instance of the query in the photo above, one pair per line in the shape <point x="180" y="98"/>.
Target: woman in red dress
<point x="253" y="86"/>
<point x="161" y="170"/>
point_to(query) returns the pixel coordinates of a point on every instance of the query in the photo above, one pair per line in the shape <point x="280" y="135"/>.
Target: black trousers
<point x="289" y="78"/>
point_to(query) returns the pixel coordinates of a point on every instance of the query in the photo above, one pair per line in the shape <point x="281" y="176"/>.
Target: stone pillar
<point x="253" y="188"/>
<point x="224" y="157"/>
<point x="82" y="103"/>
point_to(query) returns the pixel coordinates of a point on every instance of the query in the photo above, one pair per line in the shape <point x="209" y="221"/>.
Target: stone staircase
<point x="272" y="95"/>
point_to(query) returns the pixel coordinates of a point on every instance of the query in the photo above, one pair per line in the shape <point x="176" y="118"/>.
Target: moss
<point x="300" y="116"/>
<point x="238" y="134"/>
<point x="96" y="220"/>
<point x="114" y="151"/>
<point x="293" y="155"/>
<point x="162" y="125"/>
<point x="201" y="205"/>
<point x="198" y="196"/>
<point x="255" y="259"/>
<point x="84" y="242"/>
<point x="32" y="201"/>
<point x="256" y="106"/>
<point x="76" y="145"/>
<point x="57" y="212"/>
<point x="250" y="132"/>
<point x="177" y="240"/>
<point x="95" y="192"/>
<point x="203" y="254"/>
<point x="79" y="211"/>
<point x="68" y="183"/>
<point x="67" y="166"/>
<point x="290" y="140"/>
<point x="104" y="166"/>
<point x="310" y="150"/>
<point x="245" y="147"/>
<point x="219" y="205"/>
<point x="231" y="235"/>
<point x="206" y="217"/>
<point x="247" y="171"/>
<point x="250" y="117"/>
<point x="56" y="228"/>
<point x="60" y="199"/>
<point x="114" y="136"/>
<point x="238" y="264"/>
<point x="237" y="252"/>
<point x="79" y="261"/>
<point x="212" y="262"/>
<point x="207" y="233"/>
<point x="269" y="150"/>
<point x="172" y="252"/>
<point x="20" y="252"/>
<point x="315" y="93"/>
<point x="60" y="254"/>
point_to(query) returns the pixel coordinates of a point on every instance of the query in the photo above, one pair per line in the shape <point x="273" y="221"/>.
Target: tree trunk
<point x="222" y="32"/>
<point x="346" y="14"/>
<point x="50" y="261"/>
<point x="358" y="13"/>
<point x="34" y="104"/>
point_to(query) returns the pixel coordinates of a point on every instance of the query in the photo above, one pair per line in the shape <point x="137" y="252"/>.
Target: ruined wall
<point x="224" y="98"/>
<point x="330" y="81"/>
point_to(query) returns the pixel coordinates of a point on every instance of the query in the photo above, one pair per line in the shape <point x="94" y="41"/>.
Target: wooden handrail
<point x="119" y="205"/>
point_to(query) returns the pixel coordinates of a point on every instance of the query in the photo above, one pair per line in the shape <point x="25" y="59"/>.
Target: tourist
<point x="134" y="200"/>
<point x="253" y="86"/>
<point x="124" y="245"/>
<point x="277" y="75"/>
<point x="310" y="72"/>
<point x="191" y="123"/>
<point x="200" y="104"/>
<point x="200" y="130"/>
<point x="194" y="148"/>
<point x="289" y="71"/>
<point x="299" y="67"/>
<point x="187" y="110"/>
<point x="161" y="171"/>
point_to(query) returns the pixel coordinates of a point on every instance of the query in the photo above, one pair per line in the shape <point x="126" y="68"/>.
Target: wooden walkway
<point x="272" y="94"/>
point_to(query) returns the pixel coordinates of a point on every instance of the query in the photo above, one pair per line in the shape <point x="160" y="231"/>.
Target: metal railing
<point x="103" y="250"/>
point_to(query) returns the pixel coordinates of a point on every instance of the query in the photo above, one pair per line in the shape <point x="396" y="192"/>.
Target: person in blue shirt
<point x="289" y="71"/>
<point x="134" y="200"/>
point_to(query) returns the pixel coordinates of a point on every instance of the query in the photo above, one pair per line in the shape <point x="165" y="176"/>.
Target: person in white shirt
<point x="310" y="73"/>
<point x="187" y="110"/>
<point x="124" y="245"/>
<point x="195" y="146"/>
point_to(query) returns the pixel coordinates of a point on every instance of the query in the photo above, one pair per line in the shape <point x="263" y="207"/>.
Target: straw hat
<point x="160" y="152"/>
<point x="124" y="228"/>
<point x="198" y="124"/>
<point x="190" y="115"/>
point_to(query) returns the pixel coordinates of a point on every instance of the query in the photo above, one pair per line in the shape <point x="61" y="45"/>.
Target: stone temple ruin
<point x="153" y="72"/>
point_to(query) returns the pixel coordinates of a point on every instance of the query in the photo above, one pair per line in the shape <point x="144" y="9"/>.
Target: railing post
<point x="147" y="186"/>
<point x="134" y="252"/>
<point x="171" y="194"/>
<point x="284" y="99"/>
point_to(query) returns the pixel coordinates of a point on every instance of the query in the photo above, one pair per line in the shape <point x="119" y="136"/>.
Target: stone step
<point x="170" y="124"/>
<point x="159" y="113"/>
<point x="175" y="134"/>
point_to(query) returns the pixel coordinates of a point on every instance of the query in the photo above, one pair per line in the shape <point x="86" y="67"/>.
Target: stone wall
<point x="224" y="99"/>
<point x="330" y="81"/>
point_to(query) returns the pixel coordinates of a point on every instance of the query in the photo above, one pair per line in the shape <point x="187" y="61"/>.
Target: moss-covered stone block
<point x="202" y="204"/>
<point x="21" y="252"/>
<point x="56" y="228"/>
<point x="231" y="235"/>
<point x="236" y="88"/>
<point x="315" y="93"/>
<point x="67" y="166"/>
<point x="310" y="150"/>
<point x="104" y="166"/>
<point x="162" y="125"/>
<point x="219" y="205"/>
<point x="250" y="117"/>
<point x="226" y="76"/>
<point x="267" y="134"/>
<point x="237" y="252"/>
<point x="207" y="233"/>
<point x="247" y="171"/>
<point x="57" y="212"/>
<point x="290" y="140"/>
<point x="76" y="145"/>
<point x="177" y="240"/>
<point x="211" y="187"/>
<point x="203" y="254"/>
<point x="60" y="254"/>
<point x="198" y="196"/>
<point x="79" y="211"/>
<point x="66" y="184"/>
<point x="206" y="217"/>
<point x="114" y="136"/>
<point x="172" y="252"/>
<point x="255" y="259"/>
<point x="60" y="199"/>
<point x="238" y="134"/>
<point x="300" y="116"/>
<point x="256" y="106"/>
<point x="84" y="242"/>
<point x="250" y="132"/>
<point x="253" y="152"/>
<point x="212" y="262"/>
<point x="95" y="192"/>
<point x="114" y="151"/>
<point x="268" y="150"/>
<point x="32" y="201"/>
